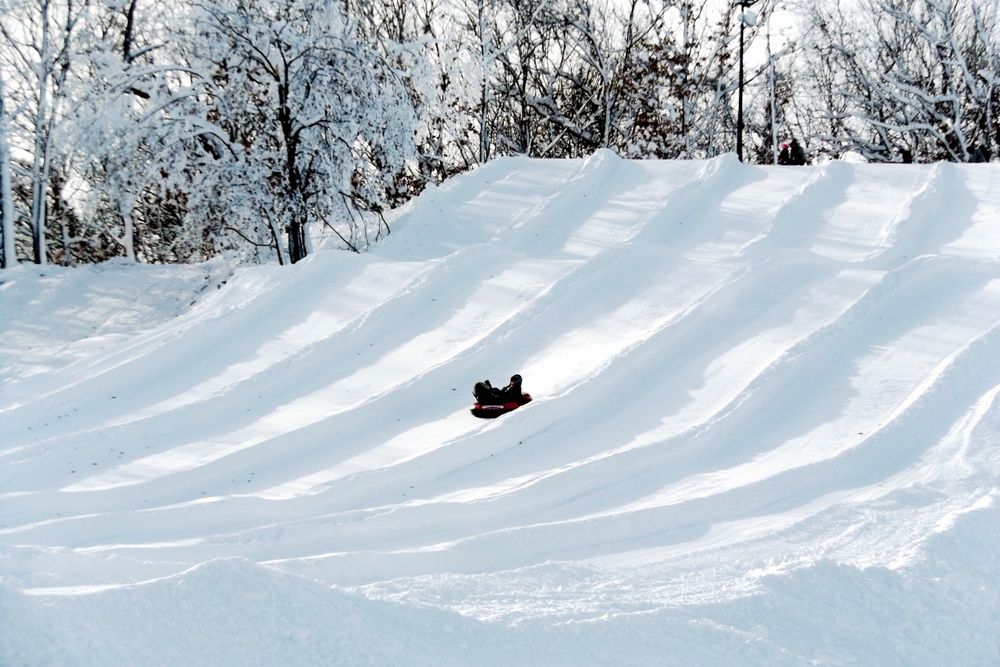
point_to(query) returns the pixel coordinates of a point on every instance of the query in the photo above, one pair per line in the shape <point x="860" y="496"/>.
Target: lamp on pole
<point x="743" y="4"/>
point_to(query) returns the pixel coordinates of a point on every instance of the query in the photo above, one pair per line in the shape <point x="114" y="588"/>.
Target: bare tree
<point x="40" y="39"/>
<point x="904" y="79"/>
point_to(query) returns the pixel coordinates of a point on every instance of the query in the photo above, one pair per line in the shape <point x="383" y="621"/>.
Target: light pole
<point x="743" y="4"/>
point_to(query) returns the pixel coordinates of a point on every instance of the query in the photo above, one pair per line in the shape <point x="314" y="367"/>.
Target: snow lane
<point x="342" y="306"/>
<point x="94" y="315"/>
<point x="866" y="223"/>
<point x="979" y="239"/>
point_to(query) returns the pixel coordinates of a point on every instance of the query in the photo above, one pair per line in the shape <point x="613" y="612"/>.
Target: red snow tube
<point x="491" y="411"/>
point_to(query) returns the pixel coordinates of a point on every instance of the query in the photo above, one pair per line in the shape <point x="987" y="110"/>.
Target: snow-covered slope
<point x="765" y="432"/>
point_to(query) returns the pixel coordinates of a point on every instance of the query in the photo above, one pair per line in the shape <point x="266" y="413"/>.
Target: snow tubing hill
<point x="491" y="411"/>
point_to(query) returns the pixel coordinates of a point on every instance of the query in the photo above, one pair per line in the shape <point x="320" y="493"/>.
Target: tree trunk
<point x="41" y="147"/>
<point x="296" y="239"/>
<point x="9" y="258"/>
<point x="126" y="208"/>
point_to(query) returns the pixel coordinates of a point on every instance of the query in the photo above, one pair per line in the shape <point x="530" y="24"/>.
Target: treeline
<point x="176" y="130"/>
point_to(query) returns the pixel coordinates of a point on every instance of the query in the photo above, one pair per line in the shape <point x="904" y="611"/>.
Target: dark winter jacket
<point x="512" y="392"/>
<point x="797" y="156"/>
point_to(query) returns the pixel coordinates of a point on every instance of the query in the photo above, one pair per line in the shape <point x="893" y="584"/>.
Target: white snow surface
<point x="766" y="431"/>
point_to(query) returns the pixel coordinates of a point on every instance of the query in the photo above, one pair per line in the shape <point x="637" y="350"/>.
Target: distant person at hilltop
<point x="797" y="156"/>
<point x="792" y="153"/>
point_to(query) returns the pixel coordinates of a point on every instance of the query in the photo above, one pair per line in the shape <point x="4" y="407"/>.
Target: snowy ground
<point x="766" y="431"/>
